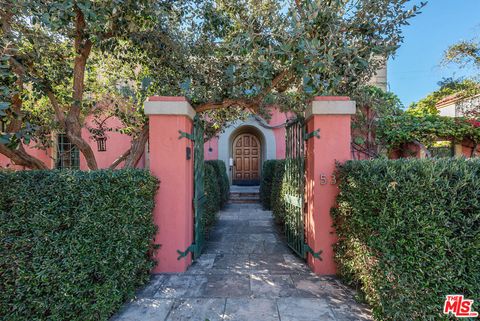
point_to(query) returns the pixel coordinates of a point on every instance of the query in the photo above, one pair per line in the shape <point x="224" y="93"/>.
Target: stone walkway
<point x="246" y="273"/>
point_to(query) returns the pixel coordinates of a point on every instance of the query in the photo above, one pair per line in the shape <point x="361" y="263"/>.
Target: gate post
<point x="332" y="115"/>
<point x="173" y="212"/>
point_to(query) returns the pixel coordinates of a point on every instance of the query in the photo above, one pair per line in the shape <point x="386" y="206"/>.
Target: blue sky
<point x="415" y="70"/>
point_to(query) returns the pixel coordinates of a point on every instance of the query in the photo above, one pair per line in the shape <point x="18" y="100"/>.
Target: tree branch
<point x="251" y="104"/>
<point x="22" y="158"/>
<point x="120" y="159"/>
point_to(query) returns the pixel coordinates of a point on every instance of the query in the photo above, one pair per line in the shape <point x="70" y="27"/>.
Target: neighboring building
<point x="457" y="106"/>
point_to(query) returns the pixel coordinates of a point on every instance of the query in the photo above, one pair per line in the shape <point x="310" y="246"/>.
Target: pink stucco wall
<point x="211" y="149"/>
<point x="332" y="146"/>
<point x="116" y="143"/>
<point x="279" y="133"/>
<point x="43" y="155"/>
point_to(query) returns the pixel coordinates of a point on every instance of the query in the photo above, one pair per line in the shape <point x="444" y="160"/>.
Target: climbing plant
<point x="393" y="131"/>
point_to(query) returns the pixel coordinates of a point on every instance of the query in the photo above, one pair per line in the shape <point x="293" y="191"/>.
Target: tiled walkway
<point x="246" y="273"/>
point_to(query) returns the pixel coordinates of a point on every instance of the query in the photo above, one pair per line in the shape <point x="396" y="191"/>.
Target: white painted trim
<point x="169" y="108"/>
<point x="331" y="107"/>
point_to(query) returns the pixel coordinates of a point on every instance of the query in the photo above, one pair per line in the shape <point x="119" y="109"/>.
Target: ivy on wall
<point x="394" y="131"/>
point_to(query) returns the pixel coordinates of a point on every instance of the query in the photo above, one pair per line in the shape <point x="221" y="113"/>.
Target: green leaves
<point x="217" y="190"/>
<point x="409" y="233"/>
<point x="268" y="172"/>
<point x="73" y="245"/>
<point x="394" y="131"/>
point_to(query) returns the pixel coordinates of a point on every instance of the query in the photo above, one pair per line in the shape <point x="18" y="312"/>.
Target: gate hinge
<point x="315" y="133"/>
<point x="186" y="135"/>
<point x="308" y="249"/>
<point x="191" y="249"/>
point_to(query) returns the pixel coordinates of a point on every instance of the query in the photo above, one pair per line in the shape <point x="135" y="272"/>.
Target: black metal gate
<point x="293" y="186"/>
<point x="199" y="191"/>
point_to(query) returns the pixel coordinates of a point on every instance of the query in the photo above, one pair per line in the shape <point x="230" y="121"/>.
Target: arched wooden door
<point x="246" y="155"/>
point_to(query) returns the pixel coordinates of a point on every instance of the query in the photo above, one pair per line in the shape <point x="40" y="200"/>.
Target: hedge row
<point x="217" y="189"/>
<point x="271" y="193"/>
<point x="409" y="233"/>
<point x="266" y="184"/>
<point x="74" y="245"/>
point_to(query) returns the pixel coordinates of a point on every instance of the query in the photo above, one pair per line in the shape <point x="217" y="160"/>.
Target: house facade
<point x="242" y="145"/>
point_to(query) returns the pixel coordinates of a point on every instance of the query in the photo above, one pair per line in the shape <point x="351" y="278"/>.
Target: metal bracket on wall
<point x="186" y="135"/>
<point x="315" y="133"/>
<point x="308" y="249"/>
<point x="191" y="249"/>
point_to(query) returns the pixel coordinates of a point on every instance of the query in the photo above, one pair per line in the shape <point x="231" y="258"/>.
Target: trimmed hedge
<point x="277" y="203"/>
<point x="74" y="245"/>
<point x="409" y="233"/>
<point x="222" y="178"/>
<point x="266" y="184"/>
<point x="217" y="189"/>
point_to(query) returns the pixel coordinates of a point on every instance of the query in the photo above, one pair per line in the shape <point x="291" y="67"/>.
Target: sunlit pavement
<point x="247" y="272"/>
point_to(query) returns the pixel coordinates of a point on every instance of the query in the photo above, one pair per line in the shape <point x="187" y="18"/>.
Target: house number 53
<point x="324" y="179"/>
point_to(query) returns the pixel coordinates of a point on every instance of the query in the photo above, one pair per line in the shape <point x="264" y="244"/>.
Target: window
<point x="68" y="156"/>
<point x="442" y="149"/>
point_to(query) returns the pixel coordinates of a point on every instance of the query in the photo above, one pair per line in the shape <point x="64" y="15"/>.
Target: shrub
<point x="74" y="245"/>
<point x="266" y="184"/>
<point x="213" y="198"/>
<point x="276" y="199"/>
<point x="222" y="178"/>
<point x="409" y="233"/>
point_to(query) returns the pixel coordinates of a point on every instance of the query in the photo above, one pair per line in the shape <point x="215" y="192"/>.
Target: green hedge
<point x="266" y="184"/>
<point x="409" y="233"/>
<point x="217" y="189"/>
<point x="222" y="178"/>
<point x="74" y="245"/>
<point x="277" y="203"/>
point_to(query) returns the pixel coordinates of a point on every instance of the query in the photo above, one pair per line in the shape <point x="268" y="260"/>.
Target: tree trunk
<point x="20" y="157"/>
<point x="135" y="152"/>
<point x="137" y="149"/>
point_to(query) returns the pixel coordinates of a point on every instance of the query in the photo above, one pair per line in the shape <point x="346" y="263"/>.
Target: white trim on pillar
<point x="169" y="107"/>
<point x="331" y="107"/>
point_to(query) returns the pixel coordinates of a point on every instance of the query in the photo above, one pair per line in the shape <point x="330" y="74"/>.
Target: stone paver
<point x="247" y="272"/>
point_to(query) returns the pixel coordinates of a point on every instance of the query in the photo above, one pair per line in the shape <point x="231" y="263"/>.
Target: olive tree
<point x="226" y="56"/>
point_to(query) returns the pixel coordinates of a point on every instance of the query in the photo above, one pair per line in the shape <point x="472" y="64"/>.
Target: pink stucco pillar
<point x="173" y="213"/>
<point x="332" y="115"/>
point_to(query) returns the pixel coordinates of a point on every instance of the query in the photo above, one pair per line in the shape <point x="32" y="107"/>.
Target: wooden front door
<point x="246" y="154"/>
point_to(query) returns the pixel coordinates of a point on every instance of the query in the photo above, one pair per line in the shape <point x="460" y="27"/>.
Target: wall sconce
<point x="102" y="144"/>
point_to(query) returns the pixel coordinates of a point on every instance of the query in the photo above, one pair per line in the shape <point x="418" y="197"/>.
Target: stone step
<point x="244" y="200"/>
<point x="244" y="195"/>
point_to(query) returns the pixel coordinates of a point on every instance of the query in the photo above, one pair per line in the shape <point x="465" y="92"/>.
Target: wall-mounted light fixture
<point x="102" y="144"/>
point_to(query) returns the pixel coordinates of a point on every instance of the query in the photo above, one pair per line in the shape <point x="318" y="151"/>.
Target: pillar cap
<point x="168" y="105"/>
<point x="331" y="105"/>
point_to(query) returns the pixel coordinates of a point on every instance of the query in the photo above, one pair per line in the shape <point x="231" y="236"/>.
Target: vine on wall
<point x="395" y="131"/>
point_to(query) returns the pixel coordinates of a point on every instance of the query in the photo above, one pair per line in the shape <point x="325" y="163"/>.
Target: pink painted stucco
<point x="43" y="155"/>
<point x="173" y="213"/>
<point x="117" y="143"/>
<point x="333" y="145"/>
<point x="211" y="149"/>
<point x="278" y="118"/>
